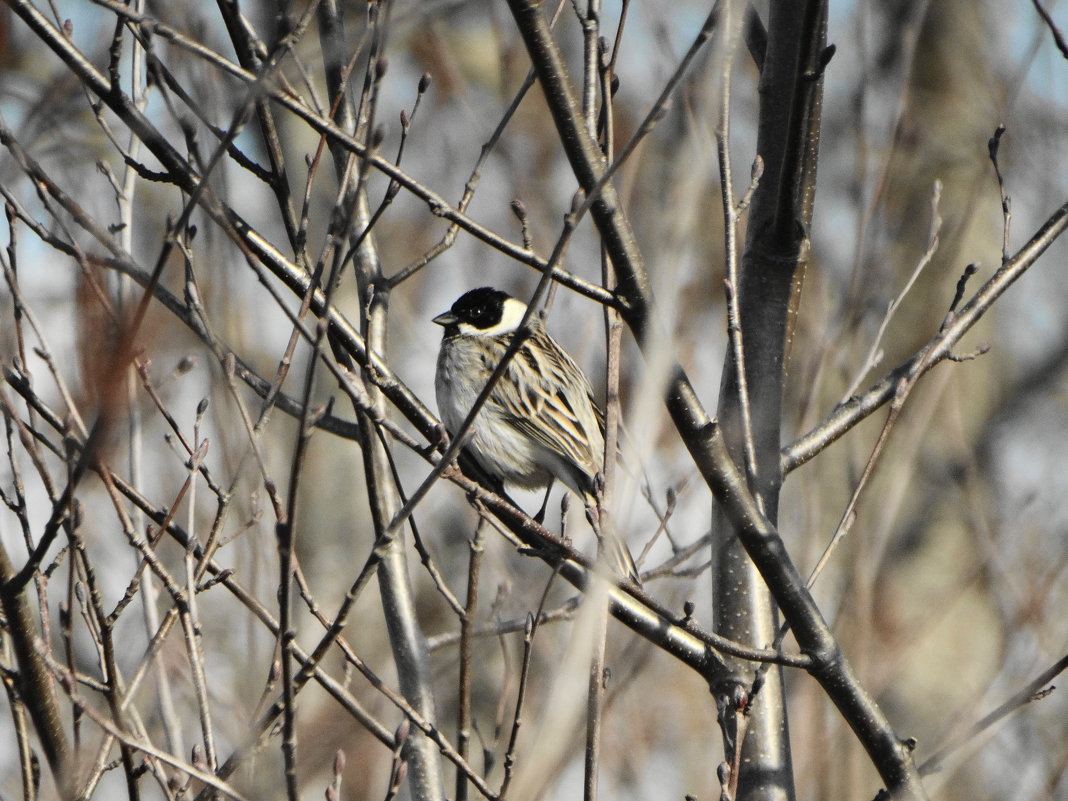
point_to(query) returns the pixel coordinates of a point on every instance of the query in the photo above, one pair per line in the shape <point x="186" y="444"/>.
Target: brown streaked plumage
<point x="540" y="420"/>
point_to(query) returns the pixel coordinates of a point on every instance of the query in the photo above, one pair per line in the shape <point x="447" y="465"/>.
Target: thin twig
<point x="874" y="352"/>
<point x="1058" y="37"/>
<point x="937" y="349"/>
<point x="731" y="220"/>
<point x="467" y="627"/>
<point x="849" y="515"/>
<point x="993" y="146"/>
<point x="530" y="631"/>
<point x="1032" y="692"/>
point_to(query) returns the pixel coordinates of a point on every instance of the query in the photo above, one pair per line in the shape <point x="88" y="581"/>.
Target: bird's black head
<point x="480" y="309"/>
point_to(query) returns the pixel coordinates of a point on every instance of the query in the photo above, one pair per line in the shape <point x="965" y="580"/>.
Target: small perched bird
<point x="540" y="421"/>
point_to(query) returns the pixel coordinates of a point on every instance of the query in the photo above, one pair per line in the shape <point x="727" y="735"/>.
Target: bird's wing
<point x="552" y="403"/>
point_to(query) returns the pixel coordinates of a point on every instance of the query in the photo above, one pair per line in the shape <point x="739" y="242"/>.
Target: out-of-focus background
<point x="950" y="594"/>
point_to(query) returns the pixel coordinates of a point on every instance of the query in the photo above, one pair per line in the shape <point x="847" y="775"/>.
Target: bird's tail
<point x="622" y="558"/>
<point x="617" y="554"/>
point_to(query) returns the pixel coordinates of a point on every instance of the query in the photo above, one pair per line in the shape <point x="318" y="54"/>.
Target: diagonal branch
<point x="938" y="348"/>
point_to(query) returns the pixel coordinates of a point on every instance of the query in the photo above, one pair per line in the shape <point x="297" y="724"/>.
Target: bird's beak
<point x="446" y="318"/>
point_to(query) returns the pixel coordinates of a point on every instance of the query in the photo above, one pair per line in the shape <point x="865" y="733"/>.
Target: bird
<point x="540" y="421"/>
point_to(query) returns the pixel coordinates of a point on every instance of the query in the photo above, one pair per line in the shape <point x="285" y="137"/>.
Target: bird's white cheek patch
<point x="511" y="316"/>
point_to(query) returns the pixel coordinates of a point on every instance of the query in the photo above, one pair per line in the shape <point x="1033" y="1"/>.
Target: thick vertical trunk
<point x="772" y="269"/>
